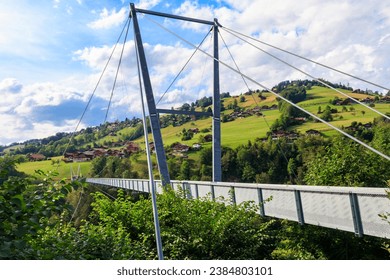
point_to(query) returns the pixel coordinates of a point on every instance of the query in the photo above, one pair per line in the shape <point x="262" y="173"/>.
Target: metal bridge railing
<point x="345" y="208"/>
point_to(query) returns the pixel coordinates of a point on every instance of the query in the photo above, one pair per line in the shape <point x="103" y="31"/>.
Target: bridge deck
<point x="346" y="208"/>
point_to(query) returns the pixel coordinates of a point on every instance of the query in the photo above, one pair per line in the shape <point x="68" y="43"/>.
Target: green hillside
<point x="240" y="131"/>
<point x="234" y="133"/>
<point x="63" y="169"/>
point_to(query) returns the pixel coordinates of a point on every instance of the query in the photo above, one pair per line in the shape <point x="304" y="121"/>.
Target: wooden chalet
<point x="36" y="157"/>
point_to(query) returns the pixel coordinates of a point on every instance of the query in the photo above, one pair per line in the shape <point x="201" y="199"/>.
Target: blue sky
<point x="53" y="51"/>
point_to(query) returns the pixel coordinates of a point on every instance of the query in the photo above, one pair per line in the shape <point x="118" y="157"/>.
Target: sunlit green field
<point x="236" y="132"/>
<point x="63" y="170"/>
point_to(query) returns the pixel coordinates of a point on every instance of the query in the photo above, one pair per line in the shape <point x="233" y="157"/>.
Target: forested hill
<point x="264" y="140"/>
<point x="311" y="95"/>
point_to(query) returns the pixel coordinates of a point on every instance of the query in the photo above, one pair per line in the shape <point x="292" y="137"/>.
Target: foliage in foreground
<point x="194" y="229"/>
<point x="191" y="229"/>
<point x="37" y="224"/>
<point x="25" y="208"/>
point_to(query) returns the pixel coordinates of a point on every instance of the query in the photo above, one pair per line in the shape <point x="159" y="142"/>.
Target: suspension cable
<point x="311" y="76"/>
<point x="281" y="97"/>
<point x="234" y="61"/>
<point x="94" y="91"/>
<point x="257" y="105"/>
<point x="307" y="59"/>
<point x="185" y="65"/>
<point x="117" y="71"/>
<point x="204" y="67"/>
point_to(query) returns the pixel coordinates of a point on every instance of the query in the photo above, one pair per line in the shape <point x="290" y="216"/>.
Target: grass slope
<point x="240" y="131"/>
<point x="243" y="130"/>
<point x="63" y="169"/>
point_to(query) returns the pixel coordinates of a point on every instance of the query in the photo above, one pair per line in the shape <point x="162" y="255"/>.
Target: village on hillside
<point x="86" y="150"/>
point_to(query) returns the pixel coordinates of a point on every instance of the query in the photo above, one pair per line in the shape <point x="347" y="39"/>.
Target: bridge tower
<point x="154" y="112"/>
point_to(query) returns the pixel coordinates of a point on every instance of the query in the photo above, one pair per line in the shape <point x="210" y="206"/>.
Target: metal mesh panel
<point x="192" y="191"/>
<point x="370" y="208"/>
<point x="134" y="185"/>
<point x="128" y="184"/>
<point x="187" y="190"/>
<point x="328" y="210"/>
<point x="222" y="193"/>
<point x="282" y="204"/>
<point x="159" y="187"/>
<point x="176" y="185"/>
<point x="323" y="206"/>
<point x="246" y="194"/>
<point x="204" y="190"/>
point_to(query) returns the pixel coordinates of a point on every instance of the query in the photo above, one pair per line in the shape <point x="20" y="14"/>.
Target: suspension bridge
<point x="345" y="208"/>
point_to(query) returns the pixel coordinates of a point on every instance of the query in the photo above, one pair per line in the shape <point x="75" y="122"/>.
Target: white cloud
<point x="18" y="129"/>
<point x="147" y="4"/>
<point x="343" y="34"/>
<point x="109" y="19"/>
<point x="194" y="10"/>
<point x="350" y="35"/>
<point x="20" y="106"/>
<point x="10" y="85"/>
<point x="94" y="57"/>
<point x="45" y="94"/>
<point x="56" y="3"/>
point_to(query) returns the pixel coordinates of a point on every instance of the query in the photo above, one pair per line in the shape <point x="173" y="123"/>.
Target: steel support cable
<point x="254" y="99"/>
<point x="182" y="69"/>
<point x="307" y="59"/>
<point x="309" y="75"/>
<point x="96" y="86"/>
<point x="281" y="97"/>
<point x="150" y="166"/>
<point x="204" y="66"/>
<point x="234" y="61"/>
<point x="117" y="71"/>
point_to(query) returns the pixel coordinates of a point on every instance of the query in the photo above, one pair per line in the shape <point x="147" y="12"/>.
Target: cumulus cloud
<point x="109" y="19"/>
<point x="347" y="35"/>
<point x="352" y="36"/>
<point x="165" y="63"/>
<point x="147" y="4"/>
<point x="34" y="111"/>
<point x="56" y="3"/>
<point x="17" y="129"/>
<point x="10" y="85"/>
<point x="195" y="10"/>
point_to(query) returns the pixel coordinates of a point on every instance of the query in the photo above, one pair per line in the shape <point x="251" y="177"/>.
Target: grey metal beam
<point x="233" y="193"/>
<point x="217" y="169"/>
<point x="154" y="120"/>
<point x="298" y="202"/>
<point x="357" y="220"/>
<point x="175" y="17"/>
<point x="212" y="189"/>
<point x="196" y="191"/>
<point x="181" y="112"/>
<point x="155" y="125"/>
<point x="261" y="202"/>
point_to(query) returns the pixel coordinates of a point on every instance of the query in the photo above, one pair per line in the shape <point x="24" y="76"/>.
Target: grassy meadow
<point x="63" y="169"/>
<point x="236" y="132"/>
